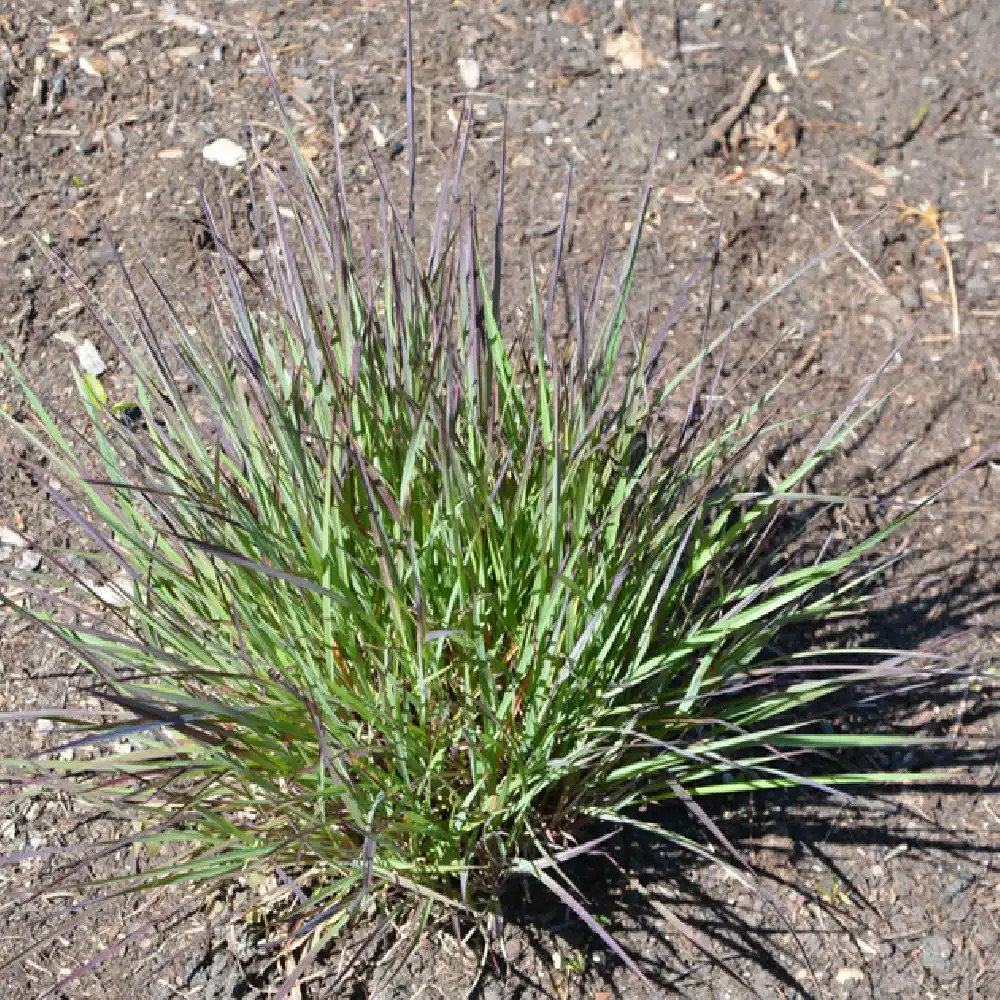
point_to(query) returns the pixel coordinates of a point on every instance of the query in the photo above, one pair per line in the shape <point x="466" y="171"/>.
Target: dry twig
<point x="717" y="131"/>
<point x="929" y="216"/>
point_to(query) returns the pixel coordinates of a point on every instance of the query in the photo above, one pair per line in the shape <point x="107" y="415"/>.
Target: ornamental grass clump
<point x="405" y="604"/>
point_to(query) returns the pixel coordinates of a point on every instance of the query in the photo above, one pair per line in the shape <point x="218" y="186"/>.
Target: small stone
<point x="978" y="287"/>
<point x="849" y="974"/>
<point x="90" y="359"/>
<point x="115" y="135"/>
<point x="513" y="950"/>
<point x="707" y="16"/>
<point x="468" y="70"/>
<point x="28" y="561"/>
<point x="585" y="115"/>
<point x="225" y="152"/>
<point x="909" y="296"/>
<point x="957" y="886"/>
<point x="87" y="88"/>
<point x="304" y="90"/>
<point x="935" y="953"/>
<point x="12" y="538"/>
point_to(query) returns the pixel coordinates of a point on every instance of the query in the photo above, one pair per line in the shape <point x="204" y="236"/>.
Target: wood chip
<point x="169" y="16"/>
<point x="626" y="49"/>
<point x="122" y="38"/>
<point x="60" y="42"/>
<point x="96" y="66"/>
<point x="181" y="53"/>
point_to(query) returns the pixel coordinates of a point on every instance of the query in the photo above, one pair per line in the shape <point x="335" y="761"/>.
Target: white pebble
<point x="12" y="538"/>
<point x="225" y="152"/>
<point x="90" y="359"/>
<point x="468" y="69"/>
<point x="28" y="561"/>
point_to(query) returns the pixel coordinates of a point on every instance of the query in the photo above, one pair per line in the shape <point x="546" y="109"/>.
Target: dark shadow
<point x="933" y="610"/>
<point x="707" y="929"/>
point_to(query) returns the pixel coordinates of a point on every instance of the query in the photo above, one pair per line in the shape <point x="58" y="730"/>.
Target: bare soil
<point x="885" y="112"/>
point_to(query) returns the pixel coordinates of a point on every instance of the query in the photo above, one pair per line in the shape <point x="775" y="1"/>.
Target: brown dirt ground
<point x="880" y="103"/>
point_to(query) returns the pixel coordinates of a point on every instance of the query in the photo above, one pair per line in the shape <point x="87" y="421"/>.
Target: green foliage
<point x="405" y="601"/>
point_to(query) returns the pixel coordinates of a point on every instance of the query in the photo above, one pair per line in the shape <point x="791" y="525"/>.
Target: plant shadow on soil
<point x="924" y="612"/>
<point x="929" y="608"/>
<point x="940" y="601"/>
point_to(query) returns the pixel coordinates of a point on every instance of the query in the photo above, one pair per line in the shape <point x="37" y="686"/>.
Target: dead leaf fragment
<point x="786" y="136"/>
<point x="769" y="176"/>
<point x="96" y="66"/>
<point x="181" y="53"/>
<point x="574" y="13"/>
<point x="781" y="135"/>
<point x="170" y="16"/>
<point x="60" y="43"/>
<point x="123" y="38"/>
<point x="626" y="48"/>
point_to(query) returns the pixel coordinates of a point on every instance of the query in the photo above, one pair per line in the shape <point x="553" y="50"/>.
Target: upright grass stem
<point x="397" y="612"/>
